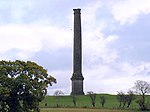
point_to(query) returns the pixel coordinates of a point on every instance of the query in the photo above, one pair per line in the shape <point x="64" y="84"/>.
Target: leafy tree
<point x="102" y="100"/>
<point x="4" y="93"/>
<point x="93" y="98"/>
<point x="142" y="88"/>
<point x="22" y="86"/>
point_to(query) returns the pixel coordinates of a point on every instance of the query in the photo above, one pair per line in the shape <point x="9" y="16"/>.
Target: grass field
<point x="80" y="110"/>
<point x="82" y="101"/>
<point x="65" y="104"/>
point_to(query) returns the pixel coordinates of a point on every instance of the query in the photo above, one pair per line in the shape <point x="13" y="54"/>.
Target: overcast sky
<point x="115" y="37"/>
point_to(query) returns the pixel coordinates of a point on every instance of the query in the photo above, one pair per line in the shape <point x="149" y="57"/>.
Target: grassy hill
<point x="82" y="101"/>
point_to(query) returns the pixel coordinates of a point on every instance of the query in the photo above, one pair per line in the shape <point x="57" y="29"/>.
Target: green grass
<point x="84" y="101"/>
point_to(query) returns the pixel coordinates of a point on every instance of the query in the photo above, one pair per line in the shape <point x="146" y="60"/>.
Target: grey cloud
<point x="60" y="59"/>
<point x="134" y="42"/>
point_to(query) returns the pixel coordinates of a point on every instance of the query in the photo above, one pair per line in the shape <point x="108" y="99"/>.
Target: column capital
<point x="77" y="11"/>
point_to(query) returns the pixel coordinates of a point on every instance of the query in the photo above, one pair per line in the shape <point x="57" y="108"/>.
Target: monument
<point x="77" y="78"/>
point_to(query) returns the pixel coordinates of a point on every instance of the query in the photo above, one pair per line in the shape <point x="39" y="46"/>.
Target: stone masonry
<point x="77" y="78"/>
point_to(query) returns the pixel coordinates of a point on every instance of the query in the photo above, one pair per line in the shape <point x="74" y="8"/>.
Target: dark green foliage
<point x="22" y="86"/>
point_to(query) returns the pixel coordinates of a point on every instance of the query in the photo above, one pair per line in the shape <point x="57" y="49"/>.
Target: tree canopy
<point x="142" y="88"/>
<point x="22" y="85"/>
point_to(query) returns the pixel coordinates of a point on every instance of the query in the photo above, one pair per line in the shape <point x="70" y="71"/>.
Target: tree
<point x="22" y="85"/>
<point x="4" y="93"/>
<point x="58" y="94"/>
<point x="122" y="99"/>
<point x="125" y="98"/>
<point x="130" y="98"/>
<point x="93" y="98"/>
<point x="142" y="88"/>
<point x="74" y="100"/>
<point x="102" y="100"/>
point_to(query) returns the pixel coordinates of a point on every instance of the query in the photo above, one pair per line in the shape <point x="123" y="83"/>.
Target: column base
<point x="77" y="87"/>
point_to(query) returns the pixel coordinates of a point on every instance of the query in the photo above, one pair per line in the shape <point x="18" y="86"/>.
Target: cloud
<point x="128" y="11"/>
<point x="90" y="12"/>
<point x="19" y="37"/>
<point x="54" y="60"/>
<point x="14" y="11"/>
<point x="104" y="55"/>
<point x="32" y="38"/>
<point x="40" y="33"/>
<point x="110" y="78"/>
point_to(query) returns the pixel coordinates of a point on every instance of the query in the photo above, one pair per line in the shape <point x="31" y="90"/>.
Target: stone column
<point x="77" y="78"/>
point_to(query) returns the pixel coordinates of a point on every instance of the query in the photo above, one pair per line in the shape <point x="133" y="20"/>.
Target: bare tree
<point x="142" y="88"/>
<point x="130" y="97"/>
<point x="74" y="100"/>
<point x="122" y="98"/>
<point x="58" y="94"/>
<point x="93" y="98"/>
<point x="102" y="100"/>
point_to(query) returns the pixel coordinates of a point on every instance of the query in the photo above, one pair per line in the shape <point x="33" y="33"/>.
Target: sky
<point x="115" y="40"/>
